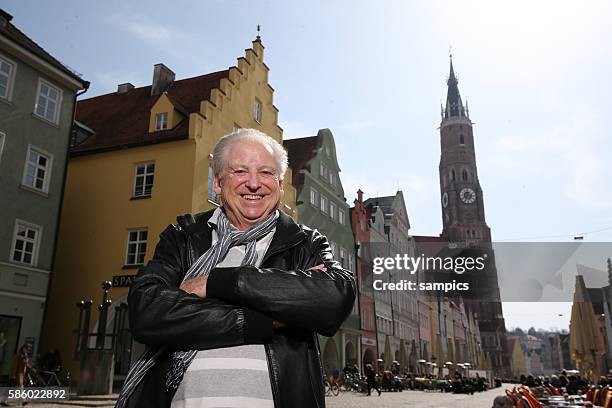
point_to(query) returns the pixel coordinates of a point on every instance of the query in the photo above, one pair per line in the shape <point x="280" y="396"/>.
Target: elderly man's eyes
<point x="262" y="174"/>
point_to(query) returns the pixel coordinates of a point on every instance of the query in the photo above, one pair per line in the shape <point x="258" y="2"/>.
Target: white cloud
<point x="155" y="33"/>
<point x="295" y="129"/>
<point x="356" y="126"/>
<point x="568" y="154"/>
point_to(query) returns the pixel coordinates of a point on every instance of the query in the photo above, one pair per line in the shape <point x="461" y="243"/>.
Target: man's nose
<point x="253" y="181"/>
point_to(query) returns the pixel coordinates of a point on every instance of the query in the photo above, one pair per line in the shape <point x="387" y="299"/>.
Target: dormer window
<point x="161" y="121"/>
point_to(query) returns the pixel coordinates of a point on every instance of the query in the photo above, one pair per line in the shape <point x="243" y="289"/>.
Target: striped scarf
<point x="228" y="236"/>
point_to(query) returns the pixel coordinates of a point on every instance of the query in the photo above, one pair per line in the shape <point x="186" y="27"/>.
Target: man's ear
<point x="217" y="185"/>
<point x="281" y="186"/>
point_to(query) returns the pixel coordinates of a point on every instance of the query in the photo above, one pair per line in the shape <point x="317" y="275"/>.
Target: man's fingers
<point x="197" y="286"/>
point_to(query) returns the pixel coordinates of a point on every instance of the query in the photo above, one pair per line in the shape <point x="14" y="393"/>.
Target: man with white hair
<point x="232" y="301"/>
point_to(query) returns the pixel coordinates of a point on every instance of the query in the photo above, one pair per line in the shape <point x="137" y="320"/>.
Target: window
<point x="7" y="73"/>
<point x="161" y="121"/>
<point x="341" y="216"/>
<point x="37" y="170"/>
<point x="327" y="151"/>
<point x="48" y="101"/>
<point x="453" y="176"/>
<point x="332" y="178"/>
<point x="332" y="211"/>
<point x="143" y="184"/>
<point x="313" y="197"/>
<point x="323" y="203"/>
<point x="343" y="260"/>
<point x="464" y="175"/>
<point x="323" y="170"/>
<point x="461" y="140"/>
<point x="136" y="247"/>
<point x="257" y="111"/>
<point x="212" y="196"/>
<point x="26" y="242"/>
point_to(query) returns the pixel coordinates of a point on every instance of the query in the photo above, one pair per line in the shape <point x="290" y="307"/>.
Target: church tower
<point x="463" y="216"/>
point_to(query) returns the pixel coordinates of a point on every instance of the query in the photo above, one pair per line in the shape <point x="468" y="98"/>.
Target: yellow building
<point x="140" y="157"/>
<point x="517" y="356"/>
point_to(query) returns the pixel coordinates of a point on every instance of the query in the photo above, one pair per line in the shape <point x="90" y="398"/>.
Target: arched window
<point x="461" y="140"/>
<point x="464" y="175"/>
<point x="453" y="176"/>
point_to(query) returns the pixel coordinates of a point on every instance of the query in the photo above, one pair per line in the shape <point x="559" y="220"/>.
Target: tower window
<point x="461" y="140"/>
<point x="453" y="175"/>
<point x="464" y="175"/>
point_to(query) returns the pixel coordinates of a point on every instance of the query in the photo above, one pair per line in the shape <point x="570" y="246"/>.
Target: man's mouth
<point x="253" y="197"/>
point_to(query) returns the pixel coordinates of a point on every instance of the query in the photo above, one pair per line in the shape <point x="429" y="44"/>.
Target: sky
<point x="536" y="76"/>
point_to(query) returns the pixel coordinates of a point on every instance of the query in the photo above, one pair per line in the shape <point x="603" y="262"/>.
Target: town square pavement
<point x="420" y="399"/>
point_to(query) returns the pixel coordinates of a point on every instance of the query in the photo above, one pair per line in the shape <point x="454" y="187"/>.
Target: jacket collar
<point x="287" y="234"/>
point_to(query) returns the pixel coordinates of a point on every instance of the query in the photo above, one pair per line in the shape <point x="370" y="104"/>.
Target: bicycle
<point x="46" y="378"/>
<point x="331" y="388"/>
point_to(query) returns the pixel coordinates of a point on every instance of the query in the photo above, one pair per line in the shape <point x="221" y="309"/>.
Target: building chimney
<point x="124" y="88"/>
<point x="162" y="79"/>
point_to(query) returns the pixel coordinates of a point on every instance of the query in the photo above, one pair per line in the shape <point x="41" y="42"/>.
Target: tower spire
<point x="454" y="105"/>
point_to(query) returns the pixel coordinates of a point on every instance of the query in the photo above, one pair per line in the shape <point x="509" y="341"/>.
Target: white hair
<point x="248" y="135"/>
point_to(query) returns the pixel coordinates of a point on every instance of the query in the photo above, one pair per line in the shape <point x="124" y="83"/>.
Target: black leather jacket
<point x="240" y="306"/>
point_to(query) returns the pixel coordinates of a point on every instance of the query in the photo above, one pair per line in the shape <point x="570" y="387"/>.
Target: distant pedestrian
<point x="20" y="365"/>
<point x="371" y="379"/>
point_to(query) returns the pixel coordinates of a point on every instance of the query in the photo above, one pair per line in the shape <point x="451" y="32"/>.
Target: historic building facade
<point x="401" y="340"/>
<point x="37" y="98"/>
<point x="363" y="272"/>
<point x="322" y="205"/>
<point x="140" y="157"/>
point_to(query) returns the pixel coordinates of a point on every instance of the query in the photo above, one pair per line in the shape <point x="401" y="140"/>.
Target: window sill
<point x="131" y="266"/>
<point x="22" y="264"/>
<point x="6" y="101"/>
<point x="44" y="120"/>
<point x="33" y="190"/>
<point x="142" y="197"/>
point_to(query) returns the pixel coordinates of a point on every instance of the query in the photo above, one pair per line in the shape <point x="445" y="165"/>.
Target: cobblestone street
<point x="418" y="399"/>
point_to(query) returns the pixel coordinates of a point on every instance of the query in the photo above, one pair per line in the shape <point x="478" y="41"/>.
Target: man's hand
<point x="197" y="286"/>
<point x="320" y="267"/>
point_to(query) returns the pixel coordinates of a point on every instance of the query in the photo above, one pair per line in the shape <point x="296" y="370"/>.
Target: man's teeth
<point x="252" y="197"/>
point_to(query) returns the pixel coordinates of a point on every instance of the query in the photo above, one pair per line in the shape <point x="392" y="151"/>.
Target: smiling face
<point x="250" y="188"/>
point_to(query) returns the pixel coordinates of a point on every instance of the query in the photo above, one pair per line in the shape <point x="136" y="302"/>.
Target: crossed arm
<point x="240" y="304"/>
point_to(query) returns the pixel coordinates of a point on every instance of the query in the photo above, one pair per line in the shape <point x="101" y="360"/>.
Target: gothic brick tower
<point x="463" y="215"/>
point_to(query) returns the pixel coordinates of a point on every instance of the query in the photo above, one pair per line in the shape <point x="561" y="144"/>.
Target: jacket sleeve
<point x="163" y="315"/>
<point x="306" y="298"/>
